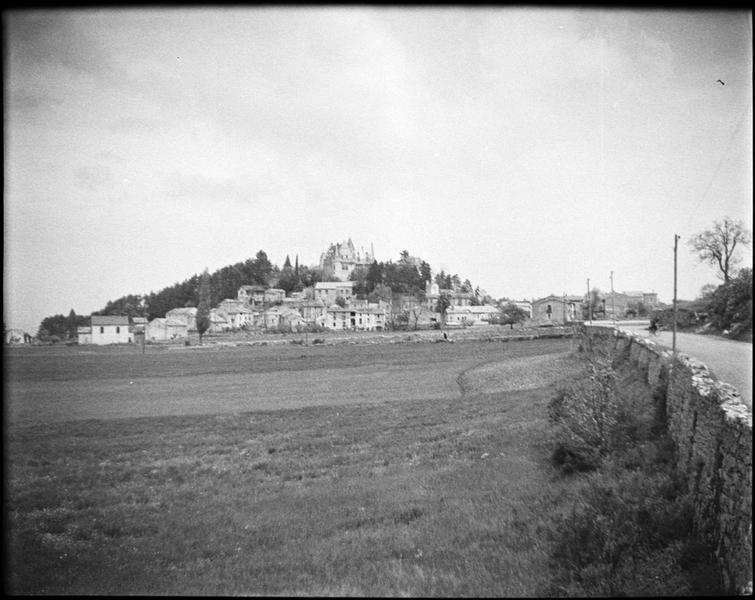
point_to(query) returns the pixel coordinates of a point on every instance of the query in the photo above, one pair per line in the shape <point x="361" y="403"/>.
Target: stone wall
<point x="712" y="429"/>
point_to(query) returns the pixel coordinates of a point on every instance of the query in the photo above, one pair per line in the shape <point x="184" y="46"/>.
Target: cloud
<point x="94" y="177"/>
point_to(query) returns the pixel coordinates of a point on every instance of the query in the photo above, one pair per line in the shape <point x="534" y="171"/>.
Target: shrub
<point x="584" y="411"/>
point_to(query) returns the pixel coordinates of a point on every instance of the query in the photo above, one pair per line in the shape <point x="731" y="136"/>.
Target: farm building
<point x="110" y="330"/>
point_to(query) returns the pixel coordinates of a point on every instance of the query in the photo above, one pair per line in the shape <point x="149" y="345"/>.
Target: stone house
<point x="236" y="313"/>
<point x="188" y="315"/>
<point x="556" y="310"/>
<point x="371" y="318"/>
<point x="328" y="291"/>
<point x="340" y="260"/>
<point x="253" y="295"/>
<point x="166" y="328"/>
<point x="110" y="330"/>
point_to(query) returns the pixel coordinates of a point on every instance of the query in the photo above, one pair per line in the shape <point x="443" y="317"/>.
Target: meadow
<point x="396" y="469"/>
<point x="360" y="470"/>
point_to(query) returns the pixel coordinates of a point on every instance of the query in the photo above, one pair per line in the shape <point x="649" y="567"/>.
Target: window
<point x="102" y="330"/>
<point x="117" y="330"/>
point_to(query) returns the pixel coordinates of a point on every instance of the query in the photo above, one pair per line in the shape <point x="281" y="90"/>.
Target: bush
<point x="584" y="411"/>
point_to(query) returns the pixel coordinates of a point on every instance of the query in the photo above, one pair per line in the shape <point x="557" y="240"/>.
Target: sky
<point x="525" y="149"/>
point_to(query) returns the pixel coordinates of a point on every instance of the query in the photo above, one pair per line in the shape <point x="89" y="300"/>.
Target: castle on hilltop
<point x="340" y="260"/>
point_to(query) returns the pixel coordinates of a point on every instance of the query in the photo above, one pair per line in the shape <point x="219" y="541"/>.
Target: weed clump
<point x="630" y="528"/>
<point x="584" y="411"/>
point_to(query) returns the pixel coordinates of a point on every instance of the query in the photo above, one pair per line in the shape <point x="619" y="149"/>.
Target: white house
<point x="110" y="330"/>
<point x="15" y="336"/>
<point x="370" y="318"/>
<point x="482" y="313"/>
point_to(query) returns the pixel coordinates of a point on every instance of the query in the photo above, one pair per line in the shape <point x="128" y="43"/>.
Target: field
<point x="391" y="469"/>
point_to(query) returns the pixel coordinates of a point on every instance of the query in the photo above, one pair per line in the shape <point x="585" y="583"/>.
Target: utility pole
<point x="673" y="338"/>
<point x="613" y="304"/>
<point x="589" y="301"/>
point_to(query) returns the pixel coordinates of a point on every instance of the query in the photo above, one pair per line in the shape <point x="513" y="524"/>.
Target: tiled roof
<point x="99" y="320"/>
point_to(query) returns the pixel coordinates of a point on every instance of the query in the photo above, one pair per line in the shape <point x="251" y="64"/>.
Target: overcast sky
<point x="525" y="149"/>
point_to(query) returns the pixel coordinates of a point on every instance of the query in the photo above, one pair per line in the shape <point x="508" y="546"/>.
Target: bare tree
<point x="717" y="245"/>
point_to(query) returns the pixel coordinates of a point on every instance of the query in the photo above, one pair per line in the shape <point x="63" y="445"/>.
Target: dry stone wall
<point x="712" y="429"/>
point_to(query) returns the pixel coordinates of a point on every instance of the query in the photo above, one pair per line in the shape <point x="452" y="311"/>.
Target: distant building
<point x="370" y="318"/>
<point x="556" y="310"/>
<point x="110" y="330"/>
<point x="236" y="313"/>
<point x="328" y="291"/>
<point x="84" y="335"/>
<point x="254" y="295"/>
<point x="187" y="314"/>
<point x="16" y="336"/>
<point x="340" y="260"/>
<point x="166" y="328"/>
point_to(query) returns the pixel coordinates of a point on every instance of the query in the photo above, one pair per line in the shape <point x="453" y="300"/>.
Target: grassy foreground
<point x="450" y="497"/>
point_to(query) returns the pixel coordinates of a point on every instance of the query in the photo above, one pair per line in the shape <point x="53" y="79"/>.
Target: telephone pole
<point x="589" y="301"/>
<point x="673" y="338"/>
<point x="613" y="304"/>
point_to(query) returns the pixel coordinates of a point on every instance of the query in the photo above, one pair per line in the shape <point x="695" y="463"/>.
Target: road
<point x="728" y="360"/>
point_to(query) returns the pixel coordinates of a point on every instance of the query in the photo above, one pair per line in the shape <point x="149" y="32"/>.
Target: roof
<point x="98" y="320"/>
<point x="80" y="330"/>
<point x="171" y="322"/>
<point x="333" y="284"/>
<point x="138" y="320"/>
<point x="188" y="310"/>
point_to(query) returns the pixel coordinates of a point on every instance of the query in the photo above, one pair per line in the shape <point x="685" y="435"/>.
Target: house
<point x="618" y="305"/>
<point x="236" y="313"/>
<point x="84" y="335"/>
<point x="188" y="315"/>
<point x="138" y="325"/>
<point x="370" y="318"/>
<point x="110" y="329"/>
<point x="166" y="328"/>
<point x="254" y="295"/>
<point x="482" y="313"/>
<point x="274" y="295"/>
<point x="283" y="316"/>
<point x="556" y="310"/>
<point x="218" y="322"/>
<point x="328" y="291"/>
<point x="15" y="336"/>
<point x="312" y="310"/>
<point x="458" y="316"/>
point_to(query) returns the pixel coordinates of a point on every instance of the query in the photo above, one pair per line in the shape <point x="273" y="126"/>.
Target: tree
<point x="717" y="245"/>
<point x="203" y="307"/>
<point x="511" y="314"/>
<point x="731" y="303"/>
<point x="442" y="306"/>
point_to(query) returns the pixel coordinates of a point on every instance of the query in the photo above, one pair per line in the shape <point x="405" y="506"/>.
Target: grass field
<point x="417" y="469"/>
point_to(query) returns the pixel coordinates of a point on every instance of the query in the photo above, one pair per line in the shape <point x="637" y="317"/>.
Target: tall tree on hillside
<point x="717" y="245"/>
<point x="203" y="307"/>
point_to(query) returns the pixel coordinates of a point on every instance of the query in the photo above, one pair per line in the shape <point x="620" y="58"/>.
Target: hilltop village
<point x="336" y="304"/>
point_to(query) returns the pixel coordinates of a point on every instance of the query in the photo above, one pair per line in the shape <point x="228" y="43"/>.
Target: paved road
<point x="727" y="360"/>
